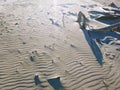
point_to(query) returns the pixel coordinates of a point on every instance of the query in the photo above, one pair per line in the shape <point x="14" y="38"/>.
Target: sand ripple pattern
<point x="34" y="40"/>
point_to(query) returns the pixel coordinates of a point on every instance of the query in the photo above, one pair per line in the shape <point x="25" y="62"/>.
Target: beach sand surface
<point x="41" y="40"/>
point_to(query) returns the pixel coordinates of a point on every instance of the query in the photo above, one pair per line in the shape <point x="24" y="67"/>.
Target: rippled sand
<point x="41" y="43"/>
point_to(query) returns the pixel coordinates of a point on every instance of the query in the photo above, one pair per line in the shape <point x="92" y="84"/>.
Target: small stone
<point x="73" y="46"/>
<point x="16" y="23"/>
<point x="81" y="63"/>
<point x="52" y="61"/>
<point x="24" y="42"/>
<point x="32" y="58"/>
<point x="17" y="71"/>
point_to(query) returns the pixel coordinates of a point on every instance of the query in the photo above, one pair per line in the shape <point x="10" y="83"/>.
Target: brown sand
<point x="43" y="38"/>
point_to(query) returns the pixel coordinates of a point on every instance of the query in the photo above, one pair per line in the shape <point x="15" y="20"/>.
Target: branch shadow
<point x="94" y="47"/>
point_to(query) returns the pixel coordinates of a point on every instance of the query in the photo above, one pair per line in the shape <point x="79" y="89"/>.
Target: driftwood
<point x="113" y="5"/>
<point x="114" y="16"/>
<point x="115" y="10"/>
<point x="82" y="20"/>
<point x="114" y="27"/>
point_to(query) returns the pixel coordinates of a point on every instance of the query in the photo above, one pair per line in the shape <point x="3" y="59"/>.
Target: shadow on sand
<point x="94" y="47"/>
